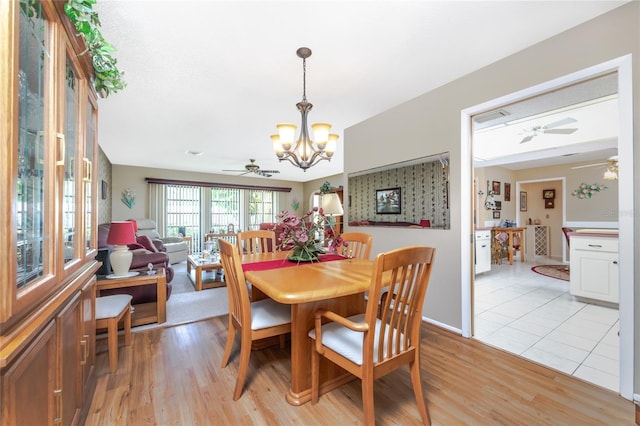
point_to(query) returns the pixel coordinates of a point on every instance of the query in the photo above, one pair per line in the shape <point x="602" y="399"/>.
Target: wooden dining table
<point x="337" y="285"/>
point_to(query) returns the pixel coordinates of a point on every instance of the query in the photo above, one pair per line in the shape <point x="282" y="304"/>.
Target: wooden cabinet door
<point x="28" y="385"/>
<point x="88" y="339"/>
<point x="69" y="371"/>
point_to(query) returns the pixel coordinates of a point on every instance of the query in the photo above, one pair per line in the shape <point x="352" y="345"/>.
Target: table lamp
<point x="331" y="206"/>
<point x="121" y="234"/>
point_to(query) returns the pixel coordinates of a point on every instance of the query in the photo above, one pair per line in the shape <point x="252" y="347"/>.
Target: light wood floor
<point x="172" y="376"/>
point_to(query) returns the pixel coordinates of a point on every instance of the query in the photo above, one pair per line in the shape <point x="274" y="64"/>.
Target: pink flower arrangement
<point x="302" y="235"/>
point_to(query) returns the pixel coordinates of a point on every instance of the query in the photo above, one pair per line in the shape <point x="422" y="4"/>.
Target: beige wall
<point x="497" y="174"/>
<point x="124" y="177"/>
<point x="430" y="123"/>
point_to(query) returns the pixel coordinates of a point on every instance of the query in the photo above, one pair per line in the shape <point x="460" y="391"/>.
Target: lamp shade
<point x="331" y="205"/>
<point x="121" y="233"/>
<point x="135" y="225"/>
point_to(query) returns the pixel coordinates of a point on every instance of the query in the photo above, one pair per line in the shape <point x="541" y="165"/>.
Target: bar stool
<point x="109" y="311"/>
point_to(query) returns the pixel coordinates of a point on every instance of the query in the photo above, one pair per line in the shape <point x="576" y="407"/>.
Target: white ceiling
<point x="216" y="76"/>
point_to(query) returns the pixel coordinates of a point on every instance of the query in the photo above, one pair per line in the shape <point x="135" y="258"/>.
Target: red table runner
<point x="285" y="263"/>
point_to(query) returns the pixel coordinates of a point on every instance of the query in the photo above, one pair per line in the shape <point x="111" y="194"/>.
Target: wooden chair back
<point x="358" y="245"/>
<point x="399" y="283"/>
<point x="239" y="309"/>
<point x="254" y="242"/>
<point x="269" y="319"/>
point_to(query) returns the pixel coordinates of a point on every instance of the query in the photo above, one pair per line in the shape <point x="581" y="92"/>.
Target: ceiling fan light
<point x="610" y="174"/>
<point x="287" y="133"/>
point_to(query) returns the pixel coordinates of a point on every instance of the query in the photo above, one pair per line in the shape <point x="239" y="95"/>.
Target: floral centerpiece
<point x="301" y="235"/>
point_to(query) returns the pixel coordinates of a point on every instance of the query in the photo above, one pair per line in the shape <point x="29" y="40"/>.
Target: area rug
<point x="187" y="305"/>
<point x="560" y="272"/>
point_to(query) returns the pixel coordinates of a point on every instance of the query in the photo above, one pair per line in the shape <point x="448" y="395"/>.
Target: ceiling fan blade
<point x="269" y="171"/>
<point x="559" y="131"/>
<point x="588" y="165"/>
<point x="238" y="171"/>
<point x="527" y="139"/>
<point x="559" y="123"/>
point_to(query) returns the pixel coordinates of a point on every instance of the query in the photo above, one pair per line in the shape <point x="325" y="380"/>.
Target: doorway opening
<point x="622" y="68"/>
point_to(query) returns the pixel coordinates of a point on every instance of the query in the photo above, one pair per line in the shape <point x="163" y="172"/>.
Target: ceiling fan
<point x="611" y="172"/>
<point x="252" y="167"/>
<point x="550" y="128"/>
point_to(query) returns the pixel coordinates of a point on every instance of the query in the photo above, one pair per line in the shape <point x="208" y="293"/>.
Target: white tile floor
<point x="535" y="317"/>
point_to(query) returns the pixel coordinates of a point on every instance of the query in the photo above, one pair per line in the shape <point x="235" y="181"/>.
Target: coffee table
<point x="207" y="272"/>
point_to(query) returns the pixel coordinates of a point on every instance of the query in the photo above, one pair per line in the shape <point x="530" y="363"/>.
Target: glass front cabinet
<point x="49" y="120"/>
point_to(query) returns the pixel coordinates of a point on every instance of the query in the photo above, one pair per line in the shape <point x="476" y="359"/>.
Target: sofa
<point x="141" y="258"/>
<point x="176" y="248"/>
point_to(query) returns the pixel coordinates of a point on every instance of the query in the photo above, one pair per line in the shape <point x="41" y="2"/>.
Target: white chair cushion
<point x="348" y="343"/>
<point x="111" y="306"/>
<point x="268" y="313"/>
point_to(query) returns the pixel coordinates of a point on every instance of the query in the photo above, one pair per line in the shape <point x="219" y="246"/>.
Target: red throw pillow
<point x="146" y="243"/>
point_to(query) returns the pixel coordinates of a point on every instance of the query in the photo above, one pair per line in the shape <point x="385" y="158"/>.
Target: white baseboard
<point x="442" y="325"/>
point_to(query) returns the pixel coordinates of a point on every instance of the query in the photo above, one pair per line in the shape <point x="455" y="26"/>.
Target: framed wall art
<point x="103" y="190"/>
<point x="523" y="201"/>
<point x="496" y="214"/>
<point x="495" y="187"/>
<point x="389" y="201"/>
<point x="549" y="194"/>
<point x="507" y="191"/>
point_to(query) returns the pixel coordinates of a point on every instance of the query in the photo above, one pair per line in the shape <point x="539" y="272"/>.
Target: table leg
<point x="161" y="294"/>
<point x="522" y="246"/>
<point x="510" y="248"/>
<point x="302" y="320"/>
<point x="199" y="272"/>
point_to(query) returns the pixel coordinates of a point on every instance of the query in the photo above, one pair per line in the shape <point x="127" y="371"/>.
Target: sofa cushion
<point x="146" y="242"/>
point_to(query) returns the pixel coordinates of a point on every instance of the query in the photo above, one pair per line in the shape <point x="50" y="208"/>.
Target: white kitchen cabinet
<point x="483" y="251"/>
<point x="594" y="266"/>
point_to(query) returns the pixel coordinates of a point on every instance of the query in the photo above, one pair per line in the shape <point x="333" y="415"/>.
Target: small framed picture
<point x="498" y="205"/>
<point x="549" y="194"/>
<point x="523" y="201"/>
<point x="389" y="201"/>
<point x="495" y="187"/>
<point x="549" y="203"/>
<point x="507" y="191"/>
<point x="103" y="190"/>
<point x="496" y="214"/>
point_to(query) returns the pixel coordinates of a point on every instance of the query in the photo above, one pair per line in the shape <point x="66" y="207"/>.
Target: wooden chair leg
<point x="367" y="401"/>
<point x="283" y="341"/>
<point x="127" y="326"/>
<point x="112" y="339"/>
<point x="245" y="352"/>
<point x="417" y="390"/>
<point x="231" y="335"/>
<point x="315" y="375"/>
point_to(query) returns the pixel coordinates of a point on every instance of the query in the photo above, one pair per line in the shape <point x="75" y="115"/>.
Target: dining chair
<point x="254" y="242"/>
<point x="370" y="347"/>
<point x="358" y="245"/>
<point x="253" y="320"/>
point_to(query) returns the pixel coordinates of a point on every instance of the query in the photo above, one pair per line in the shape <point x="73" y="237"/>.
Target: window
<point x="183" y="212"/>
<point x="194" y="210"/>
<point x="261" y="208"/>
<point x="225" y="208"/>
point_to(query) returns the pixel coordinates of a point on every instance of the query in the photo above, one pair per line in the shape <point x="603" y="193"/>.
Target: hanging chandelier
<point x="305" y="152"/>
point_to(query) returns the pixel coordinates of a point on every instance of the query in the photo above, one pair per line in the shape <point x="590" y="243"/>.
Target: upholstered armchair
<point x="175" y="247"/>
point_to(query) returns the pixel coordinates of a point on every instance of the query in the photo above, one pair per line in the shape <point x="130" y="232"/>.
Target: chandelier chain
<point x="304" y="79"/>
